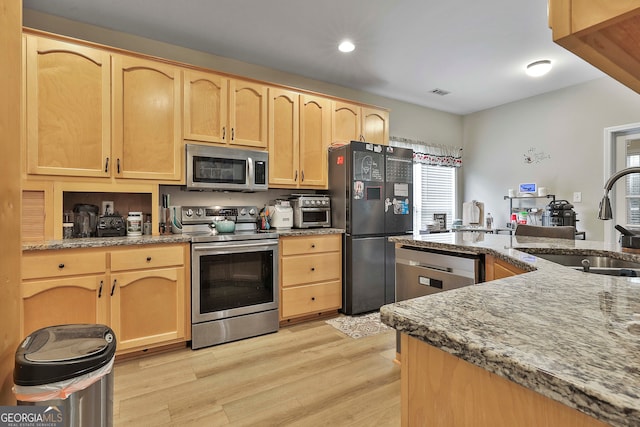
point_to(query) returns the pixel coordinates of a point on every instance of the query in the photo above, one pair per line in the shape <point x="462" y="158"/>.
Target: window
<point x="434" y="181"/>
<point x="434" y="193"/>
<point x="632" y="187"/>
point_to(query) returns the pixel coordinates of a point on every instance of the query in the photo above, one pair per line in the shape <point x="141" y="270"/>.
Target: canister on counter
<point x="67" y="230"/>
<point x="134" y="224"/>
<point x="146" y="227"/>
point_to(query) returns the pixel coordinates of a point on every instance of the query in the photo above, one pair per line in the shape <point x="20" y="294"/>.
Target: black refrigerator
<point x="371" y="189"/>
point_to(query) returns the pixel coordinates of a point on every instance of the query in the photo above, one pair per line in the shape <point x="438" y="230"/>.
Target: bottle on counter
<point x="146" y="228"/>
<point x="489" y="221"/>
<point x="134" y="224"/>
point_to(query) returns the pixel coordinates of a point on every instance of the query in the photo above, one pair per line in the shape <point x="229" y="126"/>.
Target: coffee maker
<point x="85" y="220"/>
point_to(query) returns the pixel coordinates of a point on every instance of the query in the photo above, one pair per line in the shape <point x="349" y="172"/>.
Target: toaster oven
<point x="311" y="210"/>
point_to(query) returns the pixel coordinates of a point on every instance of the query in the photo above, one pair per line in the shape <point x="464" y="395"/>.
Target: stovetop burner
<point x="197" y="220"/>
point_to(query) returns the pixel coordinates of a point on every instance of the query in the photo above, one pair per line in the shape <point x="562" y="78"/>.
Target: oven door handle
<point x="206" y="247"/>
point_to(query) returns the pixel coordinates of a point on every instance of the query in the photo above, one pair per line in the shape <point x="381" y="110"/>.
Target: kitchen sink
<point x="595" y="264"/>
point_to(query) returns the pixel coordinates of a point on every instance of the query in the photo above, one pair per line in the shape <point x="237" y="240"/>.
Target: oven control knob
<point x="252" y="212"/>
<point x="189" y="212"/>
<point x="198" y="212"/>
<point x="243" y="212"/>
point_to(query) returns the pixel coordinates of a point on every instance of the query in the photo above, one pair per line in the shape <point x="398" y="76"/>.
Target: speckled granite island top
<point x="569" y="335"/>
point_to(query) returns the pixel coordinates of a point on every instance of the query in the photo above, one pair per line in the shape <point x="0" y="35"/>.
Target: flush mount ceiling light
<point x="539" y="68"/>
<point x="346" y="46"/>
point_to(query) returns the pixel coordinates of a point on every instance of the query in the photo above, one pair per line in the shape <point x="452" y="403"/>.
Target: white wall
<point x="568" y="125"/>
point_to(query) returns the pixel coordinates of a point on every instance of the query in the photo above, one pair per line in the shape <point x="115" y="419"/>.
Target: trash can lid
<point x="58" y="353"/>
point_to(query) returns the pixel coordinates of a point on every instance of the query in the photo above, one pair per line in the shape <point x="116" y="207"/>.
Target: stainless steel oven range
<point x="234" y="276"/>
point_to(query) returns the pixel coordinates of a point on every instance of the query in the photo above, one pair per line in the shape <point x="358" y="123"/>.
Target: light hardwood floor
<point x="304" y="375"/>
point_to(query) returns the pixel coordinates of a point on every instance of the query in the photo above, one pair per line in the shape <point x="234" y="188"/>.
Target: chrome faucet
<point x="605" y="211"/>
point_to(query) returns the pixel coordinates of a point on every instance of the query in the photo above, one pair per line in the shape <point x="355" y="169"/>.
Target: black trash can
<point x="68" y="367"/>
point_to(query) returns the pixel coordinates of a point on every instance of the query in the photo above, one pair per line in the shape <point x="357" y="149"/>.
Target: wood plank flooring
<point x="304" y="375"/>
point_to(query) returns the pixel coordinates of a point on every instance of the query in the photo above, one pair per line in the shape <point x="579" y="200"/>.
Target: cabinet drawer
<point x="307" y="299"/>
<point x="311" y="244"/>
<point x="57" y="263"/>
<point x="147" y="257"/>
<point x="311" y="268"/>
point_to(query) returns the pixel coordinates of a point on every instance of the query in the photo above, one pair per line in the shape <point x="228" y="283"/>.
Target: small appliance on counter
<point x="111" y="225"/>
<point x="558" y="213"/>
<point x="311" y="210"/>
<point x="280" y="214"/>
<point x="85" y="220"/>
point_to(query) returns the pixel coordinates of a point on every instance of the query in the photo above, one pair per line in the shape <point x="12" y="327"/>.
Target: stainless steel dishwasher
<point x="424" y="272"/>
<point x="421" y="272"/>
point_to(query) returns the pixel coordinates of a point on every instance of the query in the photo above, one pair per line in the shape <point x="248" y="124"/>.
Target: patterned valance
<point x="430" y="154"/>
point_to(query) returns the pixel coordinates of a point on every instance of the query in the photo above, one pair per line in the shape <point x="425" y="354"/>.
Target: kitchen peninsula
<point x="544" y="347"/>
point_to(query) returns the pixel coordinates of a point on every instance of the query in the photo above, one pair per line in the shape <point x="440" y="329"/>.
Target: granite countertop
<point x="569" y="335"/>
<point x="102" y="242"/>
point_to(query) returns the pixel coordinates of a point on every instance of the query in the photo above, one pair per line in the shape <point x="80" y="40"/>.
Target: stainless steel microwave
<point x="226" y="169"/>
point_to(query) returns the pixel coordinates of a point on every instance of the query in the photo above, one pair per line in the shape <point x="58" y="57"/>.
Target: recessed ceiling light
<point x="539" y="68"/>
<point x="346" y="46"/>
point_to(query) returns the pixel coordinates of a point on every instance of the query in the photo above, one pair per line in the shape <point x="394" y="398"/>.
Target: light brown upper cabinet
<point x="205" y="106"/>
<point x="603" y="33"/>
<point x="68" y="105"/>
<point x="147" y="140"/>
<point x="299" y="129"/>
<point x="247" y="113"/>
<point x="352" y="122"/>
<point x="224" y="111"/>
<point x="91" y="113"/>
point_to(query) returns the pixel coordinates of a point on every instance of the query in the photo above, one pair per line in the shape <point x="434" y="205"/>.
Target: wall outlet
<point x="577" y="197"/>
<point x="107" y="208"/>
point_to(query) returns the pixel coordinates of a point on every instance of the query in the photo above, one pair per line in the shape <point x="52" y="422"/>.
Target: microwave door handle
<point x="250" y="172"/>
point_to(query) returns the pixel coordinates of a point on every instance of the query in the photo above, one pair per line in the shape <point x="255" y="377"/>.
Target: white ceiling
<point x="477" y="50"/>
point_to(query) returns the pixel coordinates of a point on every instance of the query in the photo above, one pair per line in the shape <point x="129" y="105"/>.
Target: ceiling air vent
<point x="440" y="92"/>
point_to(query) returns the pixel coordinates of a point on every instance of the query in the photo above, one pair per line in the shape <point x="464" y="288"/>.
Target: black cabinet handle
<point x="224" y="132"/>
<point x="148" y="259"/>
<point x="118" y="166"/>
<point x="302" y="176"/>
<point x="313" y="298"/>
<point x="313" y="269"/>
<point x="100" y="290"/>
<point x="295" y="178"/>
<point x="60" y="265"/>
<point x="113" y="288"/>
<point x="313" y="245"/>
<point x="233" y="134"/>
<point x="106" y="165"/>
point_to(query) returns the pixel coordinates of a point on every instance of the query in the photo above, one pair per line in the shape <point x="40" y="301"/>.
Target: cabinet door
<point x="315" y="137"/>
<point x="147" y="135"/>
<point x="147" y="307"/>
<point x="67" y="300"/>
<point x="247" y="114"/>
<point x="345" y="123"/>
<point x="68" y="108"/>
<point x="284" y="142"/>
<point x="205" y="106"/>
<point x="375" y="126"/>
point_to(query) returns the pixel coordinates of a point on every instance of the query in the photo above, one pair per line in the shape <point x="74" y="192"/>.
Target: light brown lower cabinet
<point x="496" y="268"/>
<point x="439" y="389"/>
<point x="141" y="293"/>
<point x="310" y="275"/>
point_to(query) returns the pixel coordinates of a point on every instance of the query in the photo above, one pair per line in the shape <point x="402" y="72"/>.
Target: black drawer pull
<point x="113" y="288"/>
<point x="313" y="298"/>
<point x="100" y="290"/>
<point x="313" y="269"/>
<point x="313" y="245"/>
<point x="106" y="165"/>
<point x="148" y="259"/>
<point x="60" y="265"/>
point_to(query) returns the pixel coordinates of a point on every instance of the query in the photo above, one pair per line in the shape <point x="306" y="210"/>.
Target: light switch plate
<point x="107" y="207"/>
<point x="577" y="197"/>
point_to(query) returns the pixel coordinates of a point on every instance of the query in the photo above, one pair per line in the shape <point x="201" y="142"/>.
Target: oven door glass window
<point x="235" y="280"/>
<point x="219" y="170"/>
<point x="315" y="216"/>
